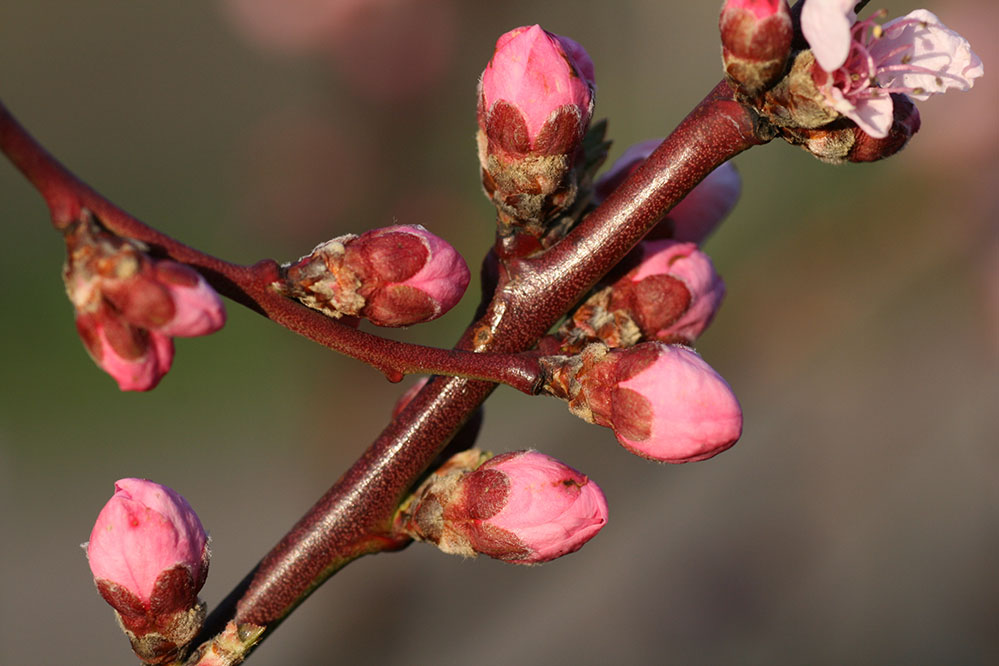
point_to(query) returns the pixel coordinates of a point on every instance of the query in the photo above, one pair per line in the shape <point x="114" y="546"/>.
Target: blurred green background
<point x="856" y="522"/>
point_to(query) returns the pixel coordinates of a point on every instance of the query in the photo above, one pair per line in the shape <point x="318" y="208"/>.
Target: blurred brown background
<point x="856" y="522"/>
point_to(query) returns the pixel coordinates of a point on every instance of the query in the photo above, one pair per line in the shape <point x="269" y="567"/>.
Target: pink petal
<point x="144" y="529"/>
<point x="550" y="507"/>
<point x="920" y="40"/>
<point x="826" y="25"/>
<point x="872" y="114"/>
<point x="694" y="414"/>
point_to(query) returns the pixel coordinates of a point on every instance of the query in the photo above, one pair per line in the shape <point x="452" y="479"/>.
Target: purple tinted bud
<point x="698" y="214"/>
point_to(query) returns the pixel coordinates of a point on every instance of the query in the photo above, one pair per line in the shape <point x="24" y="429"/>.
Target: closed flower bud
<point x="531" y="81"/>
<point x="149" y="554"/>
<point x="671" y="294"/>
<point x="394" y="276"/>
<point x="136" y="358"/>
<point x="646" y="288"/>
<point x="662" y="401"/>
<point x="129" y="305"/>
<point x="197" y="308"/>
<point x="698" y="214"/>
<point x="522" y="507"/>
<point x="756" y="42"/>
<point x="535" y="104"/>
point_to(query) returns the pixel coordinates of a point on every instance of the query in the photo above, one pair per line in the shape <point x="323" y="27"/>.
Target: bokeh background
<point x="856" y="522"/>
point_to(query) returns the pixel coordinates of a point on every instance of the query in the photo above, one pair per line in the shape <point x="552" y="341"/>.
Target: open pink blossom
<point x="537" y="74"/>
<point x="525" y="507"/>
<point x="699" y="213"/>
<point x="144" y="531"/>
<point x="860" y="63"/>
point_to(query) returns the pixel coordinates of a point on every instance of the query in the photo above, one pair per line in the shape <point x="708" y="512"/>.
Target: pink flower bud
<point x="698" y="214"/>
<point x="522" y="507"/>
<point x="148" y="553"/>
<point x="526" y="508"/>
<point x="645" y="289"/>
<point x="663" y="402"/>
<point x="136" y="358"/>
<point x="756" y="41"/>
<point x="394" y="276"/>
<point x="129" y="306"/>
<point x="407" y="274"/>
<point x="532" y="77"/>
<point x="197" y="309"/>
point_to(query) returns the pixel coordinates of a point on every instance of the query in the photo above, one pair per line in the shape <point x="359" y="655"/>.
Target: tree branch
<point x="67" y="196"/>
<point x="354" y="517"/>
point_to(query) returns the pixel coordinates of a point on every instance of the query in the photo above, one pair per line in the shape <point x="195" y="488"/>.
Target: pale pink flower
<point x="862" y="62"/>
<point x="525" y="507"/>
<point x="538" y="74"/>
<point x="144" y="531"/>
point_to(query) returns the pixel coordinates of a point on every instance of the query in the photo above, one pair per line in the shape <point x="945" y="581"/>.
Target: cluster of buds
<point x="521" y="507"/>
<point x="129" y="306"/>
<point x="394" y="276"/>
<point x="847" y="94"/>
<point x="534" y="108"/>
<point x="149" y="555"/>
<point x="662" y="400"/>
<point x="671" y="295"/>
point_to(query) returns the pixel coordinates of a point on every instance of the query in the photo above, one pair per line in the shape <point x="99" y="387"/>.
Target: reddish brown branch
<point x="353" y="518"/>
<point x="67" y="197"/>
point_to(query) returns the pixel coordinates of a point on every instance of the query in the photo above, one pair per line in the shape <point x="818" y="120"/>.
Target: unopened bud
<point x="535" y="104"/>
<point x="846" y="142"/>
<point x="698" y="214"/>
<point x="149" y="555"/>
<point x="905" y="123"/>
<point x="756" y="42"/>
<point x="671" y="294"/>
<point x="129" y="305"/>
<point x="522" y="507"/>
<point x="647" y="290"/>
<point x="662" y="401"/>
<point x="136" y="358"/>
<point x="394" y="276"/>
